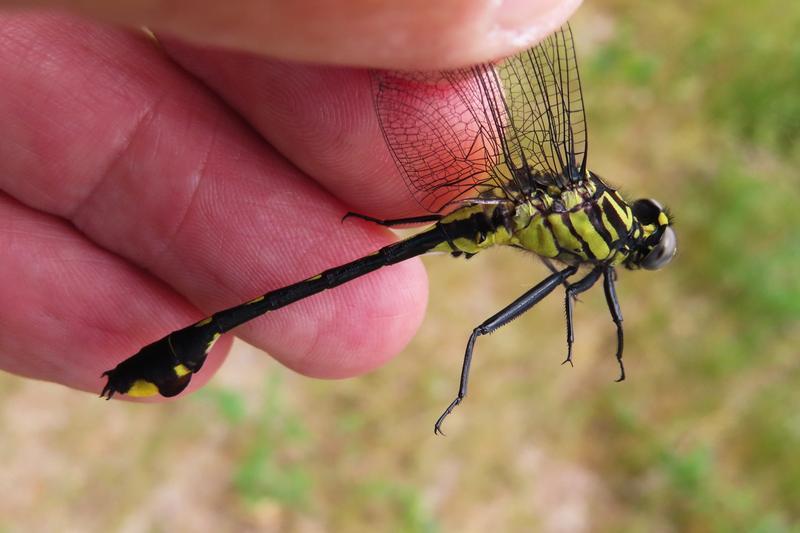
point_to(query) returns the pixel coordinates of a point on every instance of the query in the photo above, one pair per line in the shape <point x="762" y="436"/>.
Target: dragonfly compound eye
<point x="664" y="251"/>
<point x="647" y="210"/>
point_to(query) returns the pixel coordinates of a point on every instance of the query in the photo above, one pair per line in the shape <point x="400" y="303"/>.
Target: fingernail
<point x="522" y="23"/>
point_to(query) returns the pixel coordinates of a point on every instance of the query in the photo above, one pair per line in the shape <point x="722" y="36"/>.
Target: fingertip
<point x="520" y="24"/>
<point x="453" y="34"/>
<point x="410" y="34"/>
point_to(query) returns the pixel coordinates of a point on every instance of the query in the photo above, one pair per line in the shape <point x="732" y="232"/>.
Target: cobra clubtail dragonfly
<point x="496" y="154"/>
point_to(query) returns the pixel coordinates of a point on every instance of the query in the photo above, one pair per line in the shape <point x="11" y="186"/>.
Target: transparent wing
<point x="547" y="129"/>
<point x="493" y="130"/>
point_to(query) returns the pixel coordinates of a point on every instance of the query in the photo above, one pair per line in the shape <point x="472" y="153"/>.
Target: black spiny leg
<point x="609" y="277"/>
<point x="506" y="315"/>
<point x="553" y="268"/>
<point x="394" y="222"/>
<point x="574" y="289"/>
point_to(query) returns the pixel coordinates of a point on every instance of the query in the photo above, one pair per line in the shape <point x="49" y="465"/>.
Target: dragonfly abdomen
<point x="166" y="366"/>
<point x="476" y="227"/>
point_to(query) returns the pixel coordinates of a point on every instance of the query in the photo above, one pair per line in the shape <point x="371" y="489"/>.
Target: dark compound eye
<point x="663" y="253"/>
<point x="647" y="210"/>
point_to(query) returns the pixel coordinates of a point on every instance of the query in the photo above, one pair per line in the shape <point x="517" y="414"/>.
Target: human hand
<point x="146" y="187"/>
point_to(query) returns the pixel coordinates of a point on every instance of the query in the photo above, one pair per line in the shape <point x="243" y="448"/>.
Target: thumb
<point x="392" y="33"/>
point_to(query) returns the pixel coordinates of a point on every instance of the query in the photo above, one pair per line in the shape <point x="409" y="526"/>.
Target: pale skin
<point x="145" y="187"/>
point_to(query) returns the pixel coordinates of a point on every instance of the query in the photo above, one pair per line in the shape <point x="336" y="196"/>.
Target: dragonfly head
<point x="656" y="243"/>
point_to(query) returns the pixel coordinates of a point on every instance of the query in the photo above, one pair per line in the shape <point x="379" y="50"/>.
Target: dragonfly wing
<point x="547" y="124"/>
<point x="492" y="130"/>
<point x="437" y="128"/>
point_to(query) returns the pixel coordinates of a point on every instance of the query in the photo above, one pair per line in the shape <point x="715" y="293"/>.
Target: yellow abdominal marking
<point x="142" y="389"/>
<point x="211" y="343"/>
<point x="663" y="220"/>
<point x="181" y="370"/>
<point x="465" y="244"/>
<point x="204" y="322"/>
<point x="255" y="300"/>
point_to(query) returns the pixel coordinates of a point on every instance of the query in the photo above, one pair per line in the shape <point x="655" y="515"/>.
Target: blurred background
<point x="696" y="104"/>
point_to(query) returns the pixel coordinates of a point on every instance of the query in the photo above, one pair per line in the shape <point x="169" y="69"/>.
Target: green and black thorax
<point x="585" y="223"/>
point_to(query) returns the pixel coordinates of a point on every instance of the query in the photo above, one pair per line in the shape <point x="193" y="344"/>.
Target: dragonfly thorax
<point x="585" y="223"/>
<point x="588" y="222"/>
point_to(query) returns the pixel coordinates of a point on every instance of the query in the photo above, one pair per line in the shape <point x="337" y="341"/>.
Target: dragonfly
<point x="496" y="155"/>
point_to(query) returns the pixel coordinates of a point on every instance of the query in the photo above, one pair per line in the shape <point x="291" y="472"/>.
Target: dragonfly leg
<point x="395" y="221"/>
<point x="609" y="277"/>
<point x="552" y="268"/>
<point x="574" y="289"/>
<point x="499" y="319"/>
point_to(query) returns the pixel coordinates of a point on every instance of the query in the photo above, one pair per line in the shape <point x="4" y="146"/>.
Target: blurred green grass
<point x="696" y="105"/>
